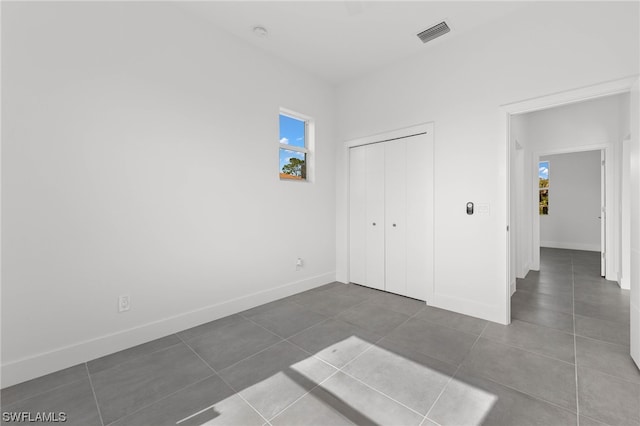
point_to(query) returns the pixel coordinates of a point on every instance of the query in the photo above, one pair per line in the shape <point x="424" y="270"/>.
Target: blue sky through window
<point x="543" y="170"/>
<point x="291" y="131"/>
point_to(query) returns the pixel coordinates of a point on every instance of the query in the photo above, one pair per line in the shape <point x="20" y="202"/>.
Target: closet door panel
<point x="395" y="213"/>
<point x="357" y="215"/>
<point x="419" y="186"/>
<point x="375" y="214"/>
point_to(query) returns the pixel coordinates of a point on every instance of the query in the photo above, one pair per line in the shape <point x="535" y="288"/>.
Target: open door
<point x="603" y="215"/>
<point x="634" y="189"/>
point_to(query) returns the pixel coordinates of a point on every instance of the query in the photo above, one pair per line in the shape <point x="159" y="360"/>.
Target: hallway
<point x="568" y="313"/>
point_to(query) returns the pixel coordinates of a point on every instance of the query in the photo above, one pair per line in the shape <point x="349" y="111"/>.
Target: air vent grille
<point x="434" y="32"/>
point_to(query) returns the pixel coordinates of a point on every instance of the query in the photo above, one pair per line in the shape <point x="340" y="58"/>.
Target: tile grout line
<point x="161" y="399"/>
<point x="426" y="416"/>
<point x="93" y="391"/>
<point x="225" y="382"/>
<point x="305" y="394"/>
<point x="575" y="346"/>
<point x="340" y="369"/>
<point x="42" y="392"/>
<point x="135" y="357"/>
<point x="530" y="351"/>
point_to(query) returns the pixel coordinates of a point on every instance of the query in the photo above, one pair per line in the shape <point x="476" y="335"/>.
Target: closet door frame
<point x="425" y="128"/>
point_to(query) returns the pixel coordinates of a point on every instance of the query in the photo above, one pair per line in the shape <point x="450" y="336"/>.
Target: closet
<point x="391" y="215"/>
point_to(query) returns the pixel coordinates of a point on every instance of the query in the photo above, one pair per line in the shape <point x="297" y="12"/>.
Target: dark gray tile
<point x="544" y="317"/>
<point x="544" y="288"/>
<point x="564" y="280"/>
<point x="342" y="397"/>
<point x="559" y="302"/>
<point x="373" y="317"/>
<point x="326" y="302"/>
<point x="606" y="357"/>
<point x="553" y="276"/>
<point x="537" y="375"/>
<point x="209" y="401"/>
<point x="211" y="327"/>
<point x="601" y="311"/>
<point x="450" y="319"/>
<point x="607" y="398"/>
<point x="114" y="359"/>
<point x="407" y="376"/>
<point x="436" y="341"/>
<point x="353" y="290"/>
<point x="230" y="342"/>
<point x="335" y="341"/>
<point x="129" y="386"/>
<point x="535" y="338"/>
<point x="75" y="400"/>
<point x="274" y="378"/>
<point x="557" y="267"/>
<point x="404" y="305"/>
<point x="586" y="421"/>
<point x="608" y="331"/>
<point x="24" y="390"/>
<point x="284" y="319"/>
<point x="472" y="400"/>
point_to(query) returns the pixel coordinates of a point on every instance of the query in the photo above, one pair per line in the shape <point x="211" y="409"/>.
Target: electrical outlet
<point x="298" y="264"/>
<point x="124" y="304"/>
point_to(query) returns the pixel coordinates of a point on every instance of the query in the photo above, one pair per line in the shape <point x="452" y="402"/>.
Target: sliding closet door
<point x="357" y="214"/>
<point x="395" y="214"/>
<point x="375" y="216"/>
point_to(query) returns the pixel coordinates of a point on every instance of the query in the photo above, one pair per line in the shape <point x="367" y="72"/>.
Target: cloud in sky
<point x="543" y="172"/>
<point x="284" y="141"/>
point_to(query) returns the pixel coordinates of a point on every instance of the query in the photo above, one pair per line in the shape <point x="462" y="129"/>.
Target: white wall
<point x="460" y="85"/>
<point x="140" y="156"/>
<point x="593" y="124"/>
<point x="574" y="202"/>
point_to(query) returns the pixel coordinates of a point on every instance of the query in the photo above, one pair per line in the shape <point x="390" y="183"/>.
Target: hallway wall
<point x="574" y="202"/>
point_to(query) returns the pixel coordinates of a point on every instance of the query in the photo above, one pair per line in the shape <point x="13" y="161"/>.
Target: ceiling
<point x="340" y="40"/>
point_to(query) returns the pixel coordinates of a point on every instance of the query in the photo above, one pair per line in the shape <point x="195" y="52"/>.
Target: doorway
<point x="524" y="227"/>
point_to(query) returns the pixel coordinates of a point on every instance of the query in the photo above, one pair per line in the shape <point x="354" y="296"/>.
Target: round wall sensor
<point x="260" y="31"/>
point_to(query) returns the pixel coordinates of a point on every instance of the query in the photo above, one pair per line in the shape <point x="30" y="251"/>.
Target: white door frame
<point x="608" y="193"/>
<point x="427" y="127"/>
<point x="544" y="102"/>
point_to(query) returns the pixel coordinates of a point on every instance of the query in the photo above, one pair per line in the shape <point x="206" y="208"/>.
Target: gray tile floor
<point x="345" y="354"/>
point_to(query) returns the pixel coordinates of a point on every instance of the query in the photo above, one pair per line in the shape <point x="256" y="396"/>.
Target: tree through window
<point x="294" y="135"/>
<point x="543" y="187"/>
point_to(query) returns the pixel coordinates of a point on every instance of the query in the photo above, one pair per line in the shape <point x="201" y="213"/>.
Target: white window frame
<point x="309" y="143"/>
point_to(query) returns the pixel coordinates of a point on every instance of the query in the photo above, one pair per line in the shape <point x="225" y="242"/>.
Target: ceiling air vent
<point x="434" y="32"/>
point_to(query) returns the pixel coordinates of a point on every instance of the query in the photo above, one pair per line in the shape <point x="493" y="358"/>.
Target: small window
<point x="295" y="138"/>
<point x="543" y="187"/>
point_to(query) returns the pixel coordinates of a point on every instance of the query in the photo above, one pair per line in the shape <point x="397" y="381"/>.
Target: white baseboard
<point x="44" y="363"/>
<point x="570" y="245"/>
<point x="625" y="283"/>
<point x="524" y="271"/>
<point x="513" y="288"/>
